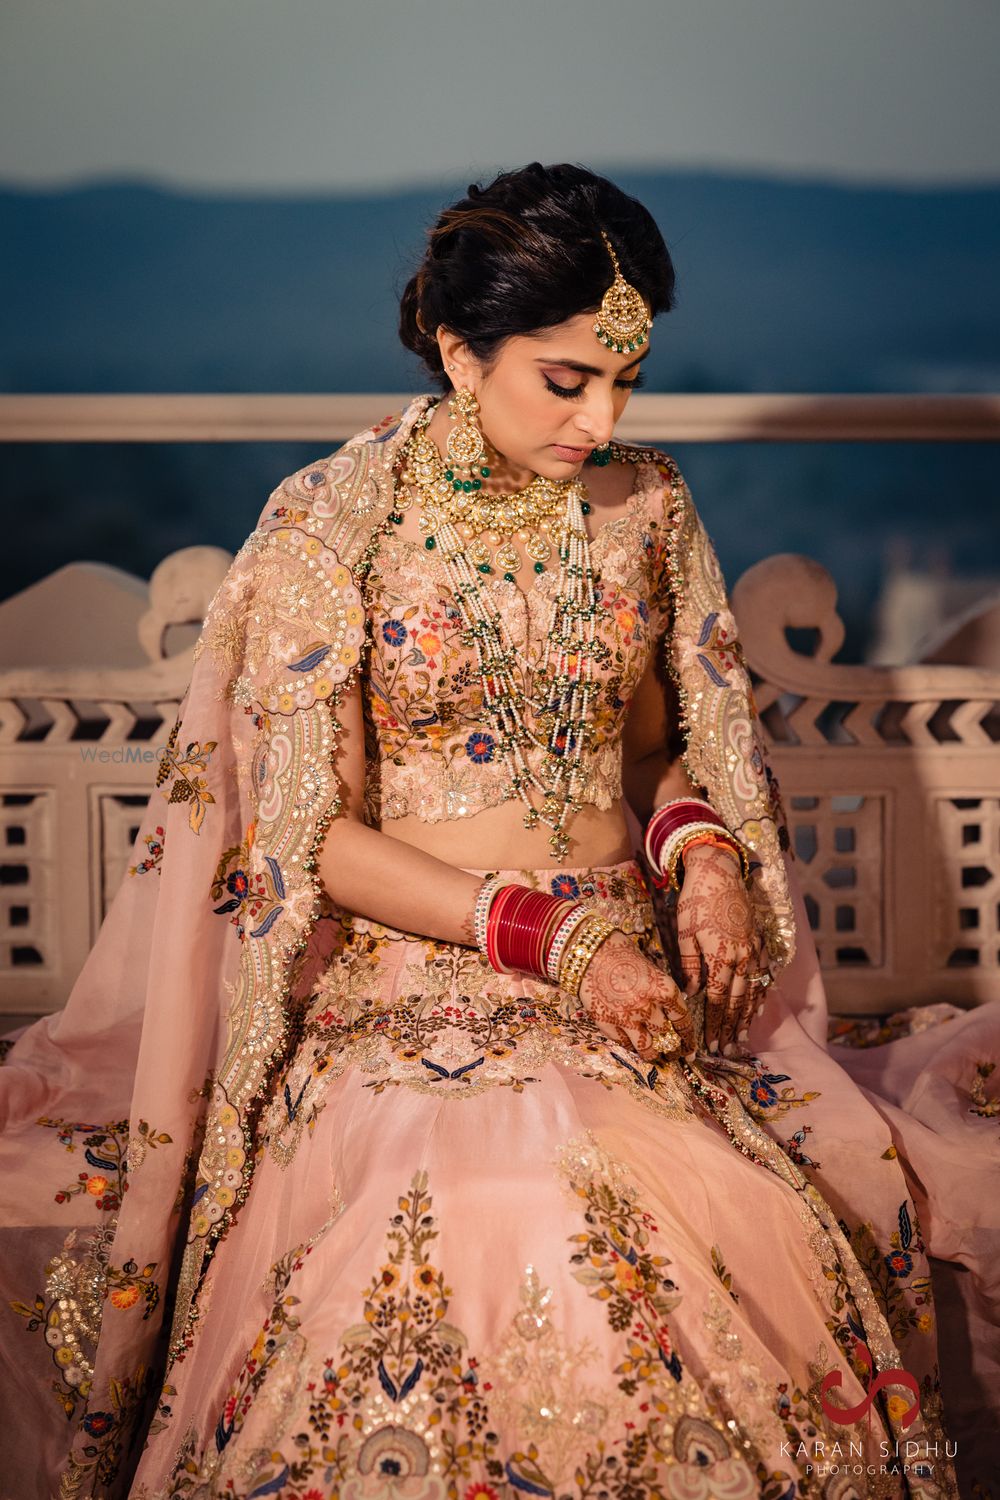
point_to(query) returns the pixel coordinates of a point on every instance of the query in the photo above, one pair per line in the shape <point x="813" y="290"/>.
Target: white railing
<point x="890" y="775"/>
<point x="648" y="418"/>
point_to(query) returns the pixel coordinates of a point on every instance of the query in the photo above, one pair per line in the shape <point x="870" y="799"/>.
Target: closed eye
<point x="570" y="393"/>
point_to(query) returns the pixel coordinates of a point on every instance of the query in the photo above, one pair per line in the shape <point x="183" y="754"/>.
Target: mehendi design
<point x="719" y="940"/>
<point x="630" y="999"/>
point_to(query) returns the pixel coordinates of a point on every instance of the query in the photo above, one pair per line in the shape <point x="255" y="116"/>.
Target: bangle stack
<point x="519" y="930"/>
<point x="586" y="941"/>
<point x="677" y="826"/>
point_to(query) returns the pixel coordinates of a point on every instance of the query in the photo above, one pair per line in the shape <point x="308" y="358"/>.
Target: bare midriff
<point x="496" y="839"/>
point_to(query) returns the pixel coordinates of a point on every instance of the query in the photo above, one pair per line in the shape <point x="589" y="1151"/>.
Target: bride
<point x="417" y="1127"/>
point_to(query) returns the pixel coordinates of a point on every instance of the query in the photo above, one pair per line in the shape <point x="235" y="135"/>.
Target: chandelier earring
<point x="466" y="446"/>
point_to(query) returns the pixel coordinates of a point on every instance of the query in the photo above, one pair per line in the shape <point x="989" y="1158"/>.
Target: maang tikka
<point x="622" y="320"/>
<point x="622" y="324"/>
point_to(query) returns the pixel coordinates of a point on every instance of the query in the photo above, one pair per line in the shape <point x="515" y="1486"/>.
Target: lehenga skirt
<point x="491" y="1253"/>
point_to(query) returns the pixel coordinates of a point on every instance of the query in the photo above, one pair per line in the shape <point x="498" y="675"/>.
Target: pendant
<point x="538" y="547"/>
<point x="508" y="559"/>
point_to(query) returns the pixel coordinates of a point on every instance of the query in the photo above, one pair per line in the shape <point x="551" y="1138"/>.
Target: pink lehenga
<point x="300" y="1205"/>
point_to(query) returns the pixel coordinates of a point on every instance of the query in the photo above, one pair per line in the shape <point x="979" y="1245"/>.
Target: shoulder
<point x="353" y="482"/>
<point x="657" y="479"/>
<point x="656" y="468"/>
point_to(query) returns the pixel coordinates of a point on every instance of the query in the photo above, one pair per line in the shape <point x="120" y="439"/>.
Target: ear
<point x="455" y="352"/>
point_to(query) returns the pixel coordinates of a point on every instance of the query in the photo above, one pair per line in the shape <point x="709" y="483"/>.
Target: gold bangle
<point x="581" y="948"/>
<point x="724" y="839"/>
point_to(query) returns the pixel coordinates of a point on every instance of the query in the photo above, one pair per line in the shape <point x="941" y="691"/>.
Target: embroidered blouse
<point x="429" y="746"/>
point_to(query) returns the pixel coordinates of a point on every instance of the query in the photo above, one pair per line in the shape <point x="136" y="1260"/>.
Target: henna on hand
<point x="630" y="999"/>
<point x="718" y="937"/>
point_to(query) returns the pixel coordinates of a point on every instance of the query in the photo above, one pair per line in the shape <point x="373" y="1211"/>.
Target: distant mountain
<point x="783" y="286"/>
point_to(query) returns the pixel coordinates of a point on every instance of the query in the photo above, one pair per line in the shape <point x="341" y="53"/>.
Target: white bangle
<point x="562" y="936"/>
<point x="481" y="916"/>
<point x="662" y="807"/>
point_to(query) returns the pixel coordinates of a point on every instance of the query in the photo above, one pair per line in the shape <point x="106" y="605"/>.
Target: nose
<point x="597" y="415"/>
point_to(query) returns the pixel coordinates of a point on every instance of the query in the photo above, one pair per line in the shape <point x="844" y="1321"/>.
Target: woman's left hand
<point x="720" y="945"/>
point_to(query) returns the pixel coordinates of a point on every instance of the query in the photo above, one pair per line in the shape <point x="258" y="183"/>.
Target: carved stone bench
<point x="890" y="775"/>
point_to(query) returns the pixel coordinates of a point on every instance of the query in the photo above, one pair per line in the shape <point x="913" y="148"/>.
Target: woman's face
<point x="551" y="397"/>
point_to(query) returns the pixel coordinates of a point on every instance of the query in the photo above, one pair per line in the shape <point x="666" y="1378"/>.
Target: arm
<point x="718" y="944"/>
<point x="380" y="877"/>
<point x="652" y="770"/>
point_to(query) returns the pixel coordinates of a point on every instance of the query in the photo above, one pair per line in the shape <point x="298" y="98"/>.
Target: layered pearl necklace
<point x="560" y="708"/>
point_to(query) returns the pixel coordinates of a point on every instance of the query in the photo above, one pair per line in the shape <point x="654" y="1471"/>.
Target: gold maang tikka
<point x="622" y="320"/>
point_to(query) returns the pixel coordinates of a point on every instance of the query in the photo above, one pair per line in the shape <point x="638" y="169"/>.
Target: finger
<point x="691" y="962"/>
<point x="748" y="994"/>
<point x="632" y="1039"/>
<point x="732" y="1023"/>
<point x="622" y="1036"/>
<point x="760" y="968"/>
<point x="674" y="1010"/>
<point x="753" y="997"/>
<point x="716" y="995"/>
<point x="759" y="996"/>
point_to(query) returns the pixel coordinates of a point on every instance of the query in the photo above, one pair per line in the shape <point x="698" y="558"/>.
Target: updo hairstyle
<point x="524" y="254"/>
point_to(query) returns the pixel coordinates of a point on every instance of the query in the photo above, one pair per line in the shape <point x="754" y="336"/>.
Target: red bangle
<point x="521" y="928"/>
<point x="668" y="819"/>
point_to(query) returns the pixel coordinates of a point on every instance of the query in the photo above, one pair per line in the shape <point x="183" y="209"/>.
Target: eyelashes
<point x="571" y="393"/>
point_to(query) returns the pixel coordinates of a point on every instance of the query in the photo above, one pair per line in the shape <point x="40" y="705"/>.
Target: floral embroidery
<point x="254" y="897"/>
<point x="763" y="1098"/>
<point x="423" y="696"/>
<point x="143" y="1141"/>
<point x="987" y="1109"/>
<point x="127" y="1285"/>
<point x="109" y="1432"/>
<point x="405" y="1408"/>
<point x="565" y="885"/>
<point x="545" y="1389"/>
<point x="104" y="1151"/>
<point x="794" y="1147"/>
<point x="433" y="1017"/>
<point x="154" y="854"/>
<point x="718" y="648"/>
<point x="187" y="786"/>
<point x="613" y="1257"/>
<point x="479" y="748"/>
<point x="725" y="1277"/>
<point x="906" y="1299"/>
<point x="69" y="1313"/>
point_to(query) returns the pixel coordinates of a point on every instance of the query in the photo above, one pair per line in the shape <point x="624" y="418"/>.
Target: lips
<point x="573" y="455"/>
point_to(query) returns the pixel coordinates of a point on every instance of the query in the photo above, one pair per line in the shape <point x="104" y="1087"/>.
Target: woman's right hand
<point x="631" y="1000"/>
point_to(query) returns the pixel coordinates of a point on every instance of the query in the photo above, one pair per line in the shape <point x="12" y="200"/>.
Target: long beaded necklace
<point x="561" y="709"/>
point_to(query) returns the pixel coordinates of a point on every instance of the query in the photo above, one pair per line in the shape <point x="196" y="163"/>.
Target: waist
<point x="496" y="838"/>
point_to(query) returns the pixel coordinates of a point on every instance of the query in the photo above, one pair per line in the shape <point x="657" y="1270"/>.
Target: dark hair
<point x="526" y="253"/>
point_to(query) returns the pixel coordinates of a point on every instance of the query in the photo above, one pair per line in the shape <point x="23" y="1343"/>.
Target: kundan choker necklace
<point x="553" y="719"/>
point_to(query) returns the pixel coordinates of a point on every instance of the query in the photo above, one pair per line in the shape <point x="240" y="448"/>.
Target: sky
<point x="318" y="96"/>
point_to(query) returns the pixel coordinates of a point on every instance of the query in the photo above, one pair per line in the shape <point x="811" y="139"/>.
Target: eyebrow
<point x="575" y="364"/>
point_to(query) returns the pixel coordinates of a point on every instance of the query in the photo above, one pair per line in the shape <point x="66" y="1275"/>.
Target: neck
<point x="504" y="475"/>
